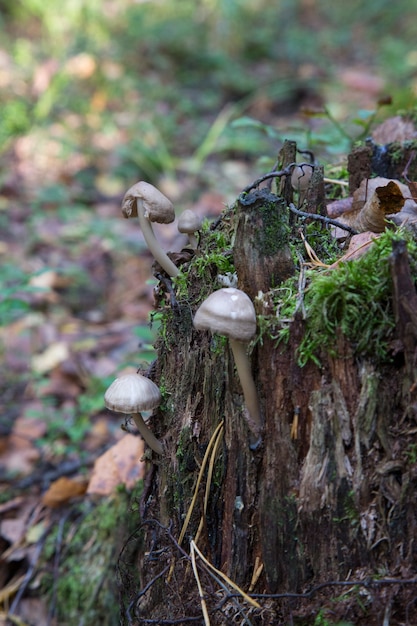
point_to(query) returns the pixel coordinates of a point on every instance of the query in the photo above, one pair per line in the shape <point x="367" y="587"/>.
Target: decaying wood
<point x="330" y="495"/>
<point x="405" y="307"/>
<point x="262" y="255"/>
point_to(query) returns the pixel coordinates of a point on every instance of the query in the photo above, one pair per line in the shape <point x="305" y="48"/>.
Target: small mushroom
<point x="229" y="311"/>
<point x="150" y="205"/>
<point x="131" y="394"/>
<point x="300" y="179"/>
<point x="190" y="223"/>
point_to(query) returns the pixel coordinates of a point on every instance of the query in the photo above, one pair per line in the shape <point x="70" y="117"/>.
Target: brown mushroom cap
<point x="132" y="393"/>
<point x="156" y="206"/>
<point x="301" y="176"/>
<point x="229" y="312"/>
<point x="189" y="222"/>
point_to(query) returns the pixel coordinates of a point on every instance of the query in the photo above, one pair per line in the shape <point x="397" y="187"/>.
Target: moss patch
<point x="83" y="585"/>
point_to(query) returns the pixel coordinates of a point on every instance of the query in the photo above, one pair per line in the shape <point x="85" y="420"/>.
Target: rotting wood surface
<point x="332" y="500"/>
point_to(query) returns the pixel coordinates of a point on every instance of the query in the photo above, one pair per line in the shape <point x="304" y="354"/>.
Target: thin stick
<point x="322" y="218"/>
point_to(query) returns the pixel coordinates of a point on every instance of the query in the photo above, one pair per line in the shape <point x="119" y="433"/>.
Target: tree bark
<point x="328" y="499"/>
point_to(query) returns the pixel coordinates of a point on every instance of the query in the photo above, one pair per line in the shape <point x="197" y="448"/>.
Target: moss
<point x="353" y="300"/>
<point x="84" y="585"/>
<point x="274" y="235"/>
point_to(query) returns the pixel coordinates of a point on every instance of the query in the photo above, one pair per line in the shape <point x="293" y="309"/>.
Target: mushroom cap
<point x="229" y="312"/>
<point x="301" y="176"/>
<point x="157" y="206"/>
<point x="189" y="222"/>
<point x="132" y="393"/>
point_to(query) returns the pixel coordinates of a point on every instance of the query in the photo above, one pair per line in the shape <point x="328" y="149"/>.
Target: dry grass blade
<point x="200" y="588"/>
<point x="208" y="483"/>
<point x="232" y="584"/>
<point x="199" y="479"/>
<point x="315" y="261"/>
<point x="213" y="438"/>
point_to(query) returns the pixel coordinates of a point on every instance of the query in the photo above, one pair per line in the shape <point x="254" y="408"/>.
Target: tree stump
<point x="325" y="508"/>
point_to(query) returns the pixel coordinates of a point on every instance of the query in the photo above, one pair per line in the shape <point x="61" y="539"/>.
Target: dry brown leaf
<point x="121" y="464"/>
<point x="358" y="246"/>
<point x="338" y="207"/>
<point x="413" y="190"/>
<point x="382" y="201"/>
<point x="394" y="129"/>
<point x="20" y="453"/>
<point x="55" y="354"/>
<point x="63" y="490"/>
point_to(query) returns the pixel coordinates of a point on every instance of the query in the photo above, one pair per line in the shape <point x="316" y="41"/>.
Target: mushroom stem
<point x="248" y="385"/>
<point x="147" y="435"/>
<point x="152" y="243"/>
<point x="193" y="241"/>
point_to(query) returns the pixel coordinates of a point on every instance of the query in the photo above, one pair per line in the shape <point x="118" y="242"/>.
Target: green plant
<point x="322" y="620"/>
<point x="15" y="300"/>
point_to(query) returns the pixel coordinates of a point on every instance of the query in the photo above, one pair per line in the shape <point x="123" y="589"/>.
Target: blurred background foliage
<point x="140" y="89"/>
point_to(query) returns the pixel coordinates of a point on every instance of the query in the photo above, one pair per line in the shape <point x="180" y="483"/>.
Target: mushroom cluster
<point x="228" y="311"/>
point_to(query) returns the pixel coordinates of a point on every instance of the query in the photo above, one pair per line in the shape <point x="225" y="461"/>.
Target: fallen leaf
<point x="21" y="453"/>
<point x="358" y="246"/>
<point x="381" y="201"/>
<point x="50" y="358"/>
<point x="394" y="129"/>
<point x="63" y="490"/>
<point x="121" y="464"/>
<point x="338" y="207"/>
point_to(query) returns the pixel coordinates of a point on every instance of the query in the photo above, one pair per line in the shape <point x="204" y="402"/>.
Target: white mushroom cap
<point x="189" y="222"/>
<point x="156" y="206"/>
<point x="229" y="312"/>
<point x="132" y="393"/>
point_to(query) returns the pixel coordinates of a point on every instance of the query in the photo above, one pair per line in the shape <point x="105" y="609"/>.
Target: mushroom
<point x="131" y="394"/>
<point x="150" y="205"/>
<point x="300" y="179"/>
<point x="189" y="223"/>
<point x="229" y="311"/>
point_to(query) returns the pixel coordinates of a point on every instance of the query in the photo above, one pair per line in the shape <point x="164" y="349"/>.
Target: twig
<point x="336" y="583"/>
<point x="199" y="479"/>
<point x="142" y="593"/>
<point x="287" y="171"/>
<point x="322" y="218"/>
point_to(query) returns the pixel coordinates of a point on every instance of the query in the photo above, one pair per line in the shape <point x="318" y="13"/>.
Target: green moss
<point x="84" y="583"/>
<point x="275" y="232"/>
<point x="353" y="300"/>
<point x="204" y="267"/>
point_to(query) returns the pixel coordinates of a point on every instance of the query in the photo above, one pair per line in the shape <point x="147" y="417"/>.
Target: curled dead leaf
<point x="372" y="216"/>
